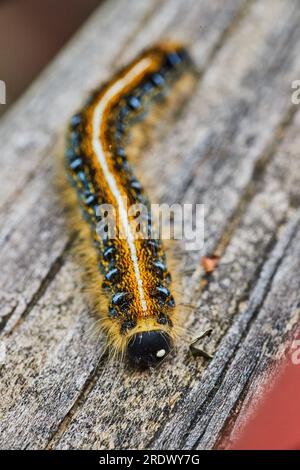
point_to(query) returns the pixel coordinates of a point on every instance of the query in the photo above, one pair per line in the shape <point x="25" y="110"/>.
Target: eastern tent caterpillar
<point x="141" y="312"/>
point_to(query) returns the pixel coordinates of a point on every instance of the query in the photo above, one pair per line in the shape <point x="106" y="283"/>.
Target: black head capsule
<point x="149" y="348"/>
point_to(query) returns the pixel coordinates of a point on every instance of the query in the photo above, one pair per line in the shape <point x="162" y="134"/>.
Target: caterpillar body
<point x="140" y="319"/>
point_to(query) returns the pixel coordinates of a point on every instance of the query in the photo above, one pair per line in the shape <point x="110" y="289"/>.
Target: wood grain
<point x="232" y="146"/>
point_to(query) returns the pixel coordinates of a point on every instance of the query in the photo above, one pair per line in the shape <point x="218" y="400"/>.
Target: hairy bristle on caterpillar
<point x="141" y="318"/>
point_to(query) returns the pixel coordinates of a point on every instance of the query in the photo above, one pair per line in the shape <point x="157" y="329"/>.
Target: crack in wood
<point x="5" y="208"/>
<point x="225" y="431"/>
<point x="46" y="281"/>
<point x="88" y="385"/>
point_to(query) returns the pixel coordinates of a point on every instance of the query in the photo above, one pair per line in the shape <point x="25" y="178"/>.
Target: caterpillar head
<point x="149" y="348"/>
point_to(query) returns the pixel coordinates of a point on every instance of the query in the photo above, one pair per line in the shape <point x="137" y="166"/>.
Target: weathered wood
<point x="234" y="147"/>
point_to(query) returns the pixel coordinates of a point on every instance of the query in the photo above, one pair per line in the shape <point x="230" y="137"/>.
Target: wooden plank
<point x="52" y="246"/>
<point x="222" y="152"/>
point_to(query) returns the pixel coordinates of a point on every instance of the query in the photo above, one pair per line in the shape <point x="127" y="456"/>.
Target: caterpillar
<point x="141" y="317"/>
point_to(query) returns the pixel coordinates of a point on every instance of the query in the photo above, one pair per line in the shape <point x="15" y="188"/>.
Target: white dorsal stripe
<point x="114" y="90"/>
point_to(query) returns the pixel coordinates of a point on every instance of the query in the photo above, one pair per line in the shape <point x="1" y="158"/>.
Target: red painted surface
<point x="276" y="422"/>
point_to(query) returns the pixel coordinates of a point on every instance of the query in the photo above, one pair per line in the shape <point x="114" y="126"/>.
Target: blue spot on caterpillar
<point x="141" y="318"/>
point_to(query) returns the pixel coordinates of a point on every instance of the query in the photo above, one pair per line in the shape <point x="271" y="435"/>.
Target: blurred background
<point x="31" y="33"/>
